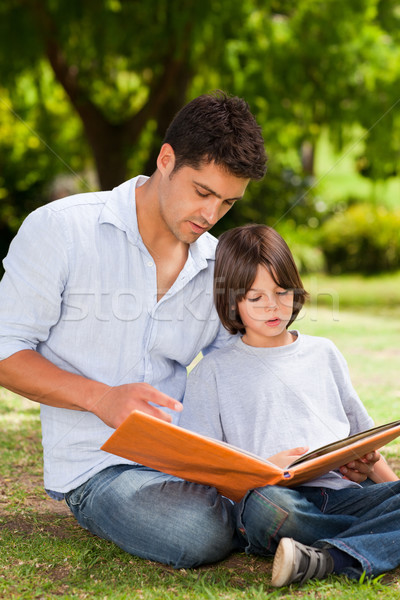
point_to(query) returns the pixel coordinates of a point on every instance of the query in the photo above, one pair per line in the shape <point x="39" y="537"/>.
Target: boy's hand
<point x="359" y="470"/>
<point x="284" y="458"/>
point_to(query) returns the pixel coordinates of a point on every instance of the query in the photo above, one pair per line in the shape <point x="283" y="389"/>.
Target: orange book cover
<point x="168" y="448"/>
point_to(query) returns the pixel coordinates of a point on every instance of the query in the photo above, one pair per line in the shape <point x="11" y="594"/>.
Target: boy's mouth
<point x="273" y="322"/>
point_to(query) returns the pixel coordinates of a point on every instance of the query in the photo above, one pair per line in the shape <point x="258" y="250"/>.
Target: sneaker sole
<point x="282" y="568"/>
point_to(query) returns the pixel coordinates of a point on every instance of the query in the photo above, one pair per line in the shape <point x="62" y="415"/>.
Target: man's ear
<point x="166" y="160"/>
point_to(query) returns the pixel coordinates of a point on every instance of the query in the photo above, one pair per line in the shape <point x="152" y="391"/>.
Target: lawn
<point x="45" y="554"/>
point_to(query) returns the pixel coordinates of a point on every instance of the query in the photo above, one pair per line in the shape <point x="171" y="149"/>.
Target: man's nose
<point x="210" y="211"/>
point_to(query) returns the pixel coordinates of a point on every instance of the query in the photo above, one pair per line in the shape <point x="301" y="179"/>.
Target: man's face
<point x="192" y="200"/>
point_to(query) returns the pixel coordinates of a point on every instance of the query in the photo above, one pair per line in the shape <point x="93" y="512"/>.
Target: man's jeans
<point x="363" y="522"/>
<point x="156" y="516"/>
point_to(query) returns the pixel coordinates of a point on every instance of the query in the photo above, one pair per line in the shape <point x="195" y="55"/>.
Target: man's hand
<point x="116" y="404"/>
<point x="359" y="470"/>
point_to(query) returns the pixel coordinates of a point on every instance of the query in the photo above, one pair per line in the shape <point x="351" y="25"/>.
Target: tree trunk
<point x="110" y="148"/>
<point x="170" y="106"/>
<point x="308" y="157"/>
<point x="112" y="144"/>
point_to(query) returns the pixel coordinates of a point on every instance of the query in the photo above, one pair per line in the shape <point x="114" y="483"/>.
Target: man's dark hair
<point x="239" y="253"/>
<point x="221" y="129"/>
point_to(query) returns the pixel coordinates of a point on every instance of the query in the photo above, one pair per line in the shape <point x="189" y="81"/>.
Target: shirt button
<point x="150" y="263"/>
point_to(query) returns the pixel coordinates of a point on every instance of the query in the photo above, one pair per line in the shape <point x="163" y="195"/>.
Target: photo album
<point x="171" y="449"/>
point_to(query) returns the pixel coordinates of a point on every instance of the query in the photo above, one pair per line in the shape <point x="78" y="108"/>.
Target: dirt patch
<point x="26" y="509"/>
<point x="32" y="524"/>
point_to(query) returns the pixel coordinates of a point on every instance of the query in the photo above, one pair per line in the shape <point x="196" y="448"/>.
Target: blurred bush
<point x="364" y="238"/>
<point x="302" y="241"/>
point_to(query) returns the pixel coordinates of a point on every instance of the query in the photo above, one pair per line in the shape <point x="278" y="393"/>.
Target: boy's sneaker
<point x="296" y="563"/>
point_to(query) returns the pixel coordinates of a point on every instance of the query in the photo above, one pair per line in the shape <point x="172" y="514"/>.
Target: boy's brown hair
<point x="239" y="253"/>
<point x="221" y="129"/>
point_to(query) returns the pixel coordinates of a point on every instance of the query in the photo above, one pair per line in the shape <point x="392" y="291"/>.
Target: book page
<point x="343" y="443"/>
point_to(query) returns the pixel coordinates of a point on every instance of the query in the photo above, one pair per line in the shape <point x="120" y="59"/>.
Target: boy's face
<point x="192" y="200"/>
<point x="265" y="312"/>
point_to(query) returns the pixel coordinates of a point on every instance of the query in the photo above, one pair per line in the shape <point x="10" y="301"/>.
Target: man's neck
<point x="169" y="253"/>
<point x="157" y="238"/>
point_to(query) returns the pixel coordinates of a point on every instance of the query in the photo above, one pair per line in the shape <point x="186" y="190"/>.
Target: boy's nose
<point x="270" y="304"/>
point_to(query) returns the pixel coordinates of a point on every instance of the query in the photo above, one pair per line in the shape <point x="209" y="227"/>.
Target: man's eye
<point x="201" y="194"/>
<point x="229" y="202"/>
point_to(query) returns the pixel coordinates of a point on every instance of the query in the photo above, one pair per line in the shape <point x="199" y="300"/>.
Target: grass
<point x="362" y="316"/>
<point x="45" y="554"/>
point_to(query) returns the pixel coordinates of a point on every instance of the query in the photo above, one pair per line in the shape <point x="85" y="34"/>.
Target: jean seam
<point x="365" y="564"/>
<point x="325" y="501"/>
<point x="279" y="509"/>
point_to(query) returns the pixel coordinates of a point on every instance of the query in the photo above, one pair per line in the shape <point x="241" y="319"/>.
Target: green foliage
<point x="364" y="238"/>
<point x="121" y="64"/>
<point x="28" y="164"/>
<point x="309" y="67"/>
<point x="97" y="83"/>
<point x="317" y="62"/>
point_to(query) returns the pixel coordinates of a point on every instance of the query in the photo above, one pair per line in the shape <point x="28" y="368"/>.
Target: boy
<point x="275" y="389"/>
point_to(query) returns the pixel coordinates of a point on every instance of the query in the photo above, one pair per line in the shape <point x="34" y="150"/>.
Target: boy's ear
<point x="166" y="159"/>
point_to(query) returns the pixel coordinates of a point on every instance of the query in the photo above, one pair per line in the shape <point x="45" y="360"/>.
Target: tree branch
<point x="67" y="75"/>
<point x="175" y="69"/>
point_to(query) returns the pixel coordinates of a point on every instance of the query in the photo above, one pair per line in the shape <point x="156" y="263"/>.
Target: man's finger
<point x="162" y="399"/>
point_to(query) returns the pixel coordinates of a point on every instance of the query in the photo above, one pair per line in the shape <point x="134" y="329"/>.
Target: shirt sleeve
<point x="221" y="340"/>
<point x="36" y="268"/>
<point x="200" y="404"/>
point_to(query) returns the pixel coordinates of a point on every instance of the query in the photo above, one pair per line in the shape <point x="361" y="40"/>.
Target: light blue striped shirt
<point x="80" y="288"/>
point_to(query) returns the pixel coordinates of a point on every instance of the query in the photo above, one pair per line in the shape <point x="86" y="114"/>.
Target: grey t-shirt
<point x="265" y="400"/>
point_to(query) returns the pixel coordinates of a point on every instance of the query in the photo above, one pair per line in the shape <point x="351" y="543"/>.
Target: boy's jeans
<point x="156" y="516"/>
<point x="363" y="522"/>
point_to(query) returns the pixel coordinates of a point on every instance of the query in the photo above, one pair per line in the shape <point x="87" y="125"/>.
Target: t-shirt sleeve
<point x="36" y="268"/>
<point x="356" y="412"/>
<point x="200" y="404"/>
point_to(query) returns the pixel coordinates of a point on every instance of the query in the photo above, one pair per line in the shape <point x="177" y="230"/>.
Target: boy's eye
<point x="254" y="299"/>
<point x="282" y="293"/>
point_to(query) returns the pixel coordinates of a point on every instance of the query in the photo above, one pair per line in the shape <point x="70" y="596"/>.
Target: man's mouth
<point x="198" y="228"/>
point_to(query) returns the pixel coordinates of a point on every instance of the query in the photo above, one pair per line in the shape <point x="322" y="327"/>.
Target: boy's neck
<point x="278" y="341"/>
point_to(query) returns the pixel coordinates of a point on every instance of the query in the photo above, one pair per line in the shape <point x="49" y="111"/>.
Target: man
<point x="106" y="298"/>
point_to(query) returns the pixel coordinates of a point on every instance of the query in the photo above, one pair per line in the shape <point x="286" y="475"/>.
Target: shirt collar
<point x="120" y="211"/>
<point x="120" y="208"/>
<point x="203" y="249"/>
